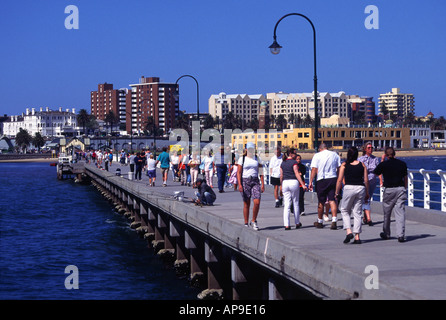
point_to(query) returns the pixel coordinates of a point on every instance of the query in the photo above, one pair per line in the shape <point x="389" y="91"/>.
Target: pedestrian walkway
<point x="415" y="269"/>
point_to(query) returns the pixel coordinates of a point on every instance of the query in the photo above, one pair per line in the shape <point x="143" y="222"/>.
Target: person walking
<point x="194" y="164"/>
<point x="394" y="173"/>
<point x="139" y="164"/>
<point x="174" y="162"/>
<point x="132" y="162"/>
<point x="151" y="170"/>
<point x="274" y="173"/>
<point x="208" y="169"/>
<point x="250" y="186"/>
<point x="324" y="167"/>
<point x="303" y="171"/>
<point x="355" y="192"/>
<point x="371" y="162"/>
<point x="164" y="160"/>
<point x="291" y="181"/>
<point x="222" y="169"/>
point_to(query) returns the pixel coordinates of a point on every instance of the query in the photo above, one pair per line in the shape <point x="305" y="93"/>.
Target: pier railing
<point x="426" y="188"/>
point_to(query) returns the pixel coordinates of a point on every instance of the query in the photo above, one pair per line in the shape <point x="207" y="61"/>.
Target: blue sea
<point x="47" y="225"/>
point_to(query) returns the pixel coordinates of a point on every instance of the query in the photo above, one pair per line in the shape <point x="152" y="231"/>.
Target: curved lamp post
<point x="275" y="49"/>
<point x="198" y="94"/>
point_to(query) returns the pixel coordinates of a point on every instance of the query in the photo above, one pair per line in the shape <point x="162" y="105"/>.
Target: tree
<point x="208" y="122"/>
<point x="281" y="122"/>
<point x="38" y="141"/>
<point x="83" y="118"/>
<point x="23" y="139"/>
<point x="229" y="121"/>
<point x="111" y="119"/>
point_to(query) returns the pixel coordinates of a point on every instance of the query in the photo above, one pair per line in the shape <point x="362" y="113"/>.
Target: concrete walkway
<point x="375" y="269"/>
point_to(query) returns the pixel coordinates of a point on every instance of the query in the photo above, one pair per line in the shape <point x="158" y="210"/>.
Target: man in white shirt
<point x="324" y="167"/>
<point x="274" y="173"/>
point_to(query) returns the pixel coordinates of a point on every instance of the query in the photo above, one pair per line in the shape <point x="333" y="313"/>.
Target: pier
<point x="212" y="247"/>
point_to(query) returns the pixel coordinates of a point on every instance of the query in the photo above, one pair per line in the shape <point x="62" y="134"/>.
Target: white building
<point x="246" y="106"/>
<point x="47" y="122"/>
<point x="302" y="104"/>
<point x="397" y="103"/>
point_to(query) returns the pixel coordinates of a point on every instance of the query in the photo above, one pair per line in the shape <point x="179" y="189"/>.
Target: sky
<point x="224" y="45"/>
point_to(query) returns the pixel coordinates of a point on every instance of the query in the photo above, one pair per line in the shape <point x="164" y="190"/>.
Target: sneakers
<point x="277" y="204"/>
<point x="326" y="218"/>
<point x="334" y="226"/>
<point x="318" y="225"/>
<point x="254" y="225"/>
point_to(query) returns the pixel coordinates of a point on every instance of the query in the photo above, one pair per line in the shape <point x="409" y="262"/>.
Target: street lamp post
<point x="198" y="108"/>
<point x="275" y="49"/>
<point x="131" y="131"/>
<point x="198" y="94"/>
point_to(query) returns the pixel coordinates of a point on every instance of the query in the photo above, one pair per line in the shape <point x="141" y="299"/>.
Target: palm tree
<point x="83" y="118"/>
<point x="111" y="119"/>
<point x="208" y="122"/>
<point x="23" y="139"/>
<point x="280" y="122"/>
<point x="38" y="141"/>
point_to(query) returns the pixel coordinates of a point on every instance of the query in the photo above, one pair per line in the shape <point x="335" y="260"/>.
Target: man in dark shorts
<point x="324" y="167"/>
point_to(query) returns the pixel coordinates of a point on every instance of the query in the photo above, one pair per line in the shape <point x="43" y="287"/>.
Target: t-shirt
<point x="288" y="169"/>
<point x="151" y="164"/>
<point x="274" y="164"/>
<point x="393" y="171"/>
<point x="250" y="167"/>
<point x="327" y="162"/>
<point x="164" y="160"/>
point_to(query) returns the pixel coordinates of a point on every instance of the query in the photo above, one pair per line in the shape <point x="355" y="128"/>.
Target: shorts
<point x="251" y="189"/>
<point x="164" y="170"/>
<point x="151" y="173"/>
<point x="326" y="189"/>
<point x="275" y="181"/>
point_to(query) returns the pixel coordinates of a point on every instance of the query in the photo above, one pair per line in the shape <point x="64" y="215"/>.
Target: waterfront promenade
<point x="317" y="258"/>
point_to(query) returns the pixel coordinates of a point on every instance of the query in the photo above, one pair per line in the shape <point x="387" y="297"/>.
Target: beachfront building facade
<point x="397" y="103"/>
<point x="245" y="106"/>
<point x="49" y="123"/>
<point x="335" y="138"/>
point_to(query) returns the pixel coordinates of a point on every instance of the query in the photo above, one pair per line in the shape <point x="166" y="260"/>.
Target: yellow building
<point x="336" y="138"/>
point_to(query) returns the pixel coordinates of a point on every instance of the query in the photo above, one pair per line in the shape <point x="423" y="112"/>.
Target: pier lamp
<point x="198" y="104"/>
<point x="275" y="49"/>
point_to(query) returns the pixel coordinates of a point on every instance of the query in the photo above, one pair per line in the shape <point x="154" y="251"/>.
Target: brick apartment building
<point x="107" y="99"/>
<point x="152" y="98"/>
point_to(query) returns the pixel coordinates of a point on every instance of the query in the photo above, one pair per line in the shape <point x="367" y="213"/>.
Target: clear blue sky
<point x="224" y="44"/>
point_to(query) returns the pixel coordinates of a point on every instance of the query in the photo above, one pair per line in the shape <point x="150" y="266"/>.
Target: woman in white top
<point x="250" y="185"/>
<point x="208" y="168"/>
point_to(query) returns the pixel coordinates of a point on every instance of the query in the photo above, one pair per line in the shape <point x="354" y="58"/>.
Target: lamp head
<point x="275" y="47"/>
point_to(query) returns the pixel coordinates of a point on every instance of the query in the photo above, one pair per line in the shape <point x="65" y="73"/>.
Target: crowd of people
<point x="344" y="187"/>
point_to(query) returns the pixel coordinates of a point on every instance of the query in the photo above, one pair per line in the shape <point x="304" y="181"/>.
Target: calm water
<point x="46" y="225"/>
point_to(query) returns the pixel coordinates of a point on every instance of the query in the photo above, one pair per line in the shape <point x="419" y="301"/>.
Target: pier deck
<point x="315" y="258"/>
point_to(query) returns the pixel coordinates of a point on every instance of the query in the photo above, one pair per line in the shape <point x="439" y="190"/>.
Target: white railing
<point x="426" y="188"/>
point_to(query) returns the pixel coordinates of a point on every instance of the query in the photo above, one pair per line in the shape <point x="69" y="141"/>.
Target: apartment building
<point x="151" y="98"/>
<point x="302" y="104"/>
<point x="397" y="103"/>
<point x="107" y="99"/>
<point x="49" y="123"/>
<point x="246" y="106"/>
